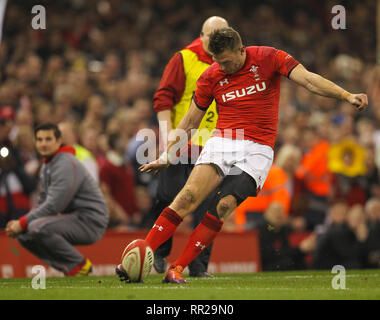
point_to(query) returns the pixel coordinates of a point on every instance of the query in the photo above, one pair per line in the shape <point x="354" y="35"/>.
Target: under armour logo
<point x="199" y="244"/>
<point x="225" y="81"/>
<point x="160" y="228"/>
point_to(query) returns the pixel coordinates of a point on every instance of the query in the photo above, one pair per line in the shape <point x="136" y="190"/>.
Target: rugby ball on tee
<point x="137" y="260"/>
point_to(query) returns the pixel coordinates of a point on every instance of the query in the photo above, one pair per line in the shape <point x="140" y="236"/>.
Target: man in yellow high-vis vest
<point x="171" y="102"/>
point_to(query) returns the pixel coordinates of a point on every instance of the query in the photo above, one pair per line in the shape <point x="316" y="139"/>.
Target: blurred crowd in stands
<point x="94" y="70"/>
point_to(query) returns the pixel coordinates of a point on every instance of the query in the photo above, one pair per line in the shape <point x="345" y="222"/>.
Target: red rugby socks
<point x="163" y="228"/>
<point x="202" y="236"/>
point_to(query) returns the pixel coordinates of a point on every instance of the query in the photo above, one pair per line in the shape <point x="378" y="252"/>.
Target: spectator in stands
<point x="43" y="112"/>
<point x="372" y="176"/>
<point x="365" y="130"/>
<point x="347" y="162"/>
<point x="372" y="210"/>
<point x="16" y="185"/>
<point x="112" y="66"/>
<point x="314" y="176"/>
<point x="144" y="205"/>
<point x="275" y="250"/>
<point x="343" y="243"/>
<point x="24" y="142"/>
<point x="337" y="213"/>
<point x="88" y="138"/>
<point x="93" y="113"/>
<point x="69" y="131"/>
<point x="118" y="183"/>
<point x="277" y="188"/>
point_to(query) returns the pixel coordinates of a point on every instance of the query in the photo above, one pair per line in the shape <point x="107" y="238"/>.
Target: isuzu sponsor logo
<point x="244" y="92"/>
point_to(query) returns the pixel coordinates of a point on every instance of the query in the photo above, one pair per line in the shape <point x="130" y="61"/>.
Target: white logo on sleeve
<point x="223" y="82"/>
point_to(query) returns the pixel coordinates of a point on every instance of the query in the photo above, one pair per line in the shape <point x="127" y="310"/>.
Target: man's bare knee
<point x="185" y="199"/>
<point x="225" y="206"/>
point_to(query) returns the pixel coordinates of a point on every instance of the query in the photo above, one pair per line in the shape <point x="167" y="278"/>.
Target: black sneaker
<point x="159" y="264"/>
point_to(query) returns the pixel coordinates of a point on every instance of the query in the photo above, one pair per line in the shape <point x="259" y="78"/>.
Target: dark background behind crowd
<point x="98" y="63"/>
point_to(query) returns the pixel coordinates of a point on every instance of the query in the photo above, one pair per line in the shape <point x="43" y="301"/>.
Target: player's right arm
<point x="190" y="121"/>
<point x="165" y="126"/>
<point x="202" y="99"/>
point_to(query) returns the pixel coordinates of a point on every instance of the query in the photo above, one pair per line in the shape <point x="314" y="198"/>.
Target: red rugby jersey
<point x="247" y="99"/>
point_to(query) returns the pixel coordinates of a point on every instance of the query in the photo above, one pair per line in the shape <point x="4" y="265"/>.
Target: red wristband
<point x="23" y="223"/>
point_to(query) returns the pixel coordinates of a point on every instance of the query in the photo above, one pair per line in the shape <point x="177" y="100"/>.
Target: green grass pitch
<point x="296" y="285"/>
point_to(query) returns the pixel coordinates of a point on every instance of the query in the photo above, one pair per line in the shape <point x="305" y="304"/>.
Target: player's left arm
<point x="321" y="86"/>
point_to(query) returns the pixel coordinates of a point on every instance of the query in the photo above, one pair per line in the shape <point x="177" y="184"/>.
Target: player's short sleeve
<point x="284" y="63"/>
<point x="203" y="95"/>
